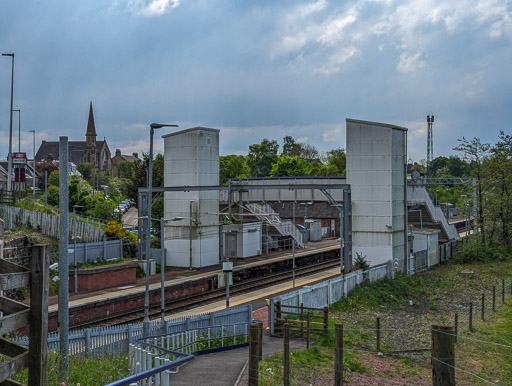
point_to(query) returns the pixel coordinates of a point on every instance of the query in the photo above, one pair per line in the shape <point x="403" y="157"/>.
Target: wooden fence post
<point x="483" y="306"/>
<point x="493" y="298"/>
<point x="254" y="354"/>
<point x="286" y="356"/>
<point x="378" y="334"/>
<point x="338" y="353"/>
<point x="326" y="320"/>
<point x="502" y="291"/>
<point x="307" y="330"/>
<point x="278" y="322"/>
<point x="38" y="335"/>
<point x="456" y="326"/>
<point x="260" y="339"/>
<point x="443" y="356"/>
<point x="301" y="319"/>
<point x="470" y="316"/>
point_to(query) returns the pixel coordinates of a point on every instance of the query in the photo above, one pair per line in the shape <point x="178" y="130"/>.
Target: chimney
<point x="118" y="152"/>
<point x="136" y="155"/>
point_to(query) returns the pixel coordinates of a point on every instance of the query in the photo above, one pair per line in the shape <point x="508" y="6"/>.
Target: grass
<point x="83" y="371"/>
<point x="488" y="361"/>
<point x="407" y="307"/>
<point x="385" y="293"/>
<point x="100" y="263"/>
<point x="305" y="366"/>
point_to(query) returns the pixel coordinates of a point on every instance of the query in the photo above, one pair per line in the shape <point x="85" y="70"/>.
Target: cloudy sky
<point x="256" y="69"/>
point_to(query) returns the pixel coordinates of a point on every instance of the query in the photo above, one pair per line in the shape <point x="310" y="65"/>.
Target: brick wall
<point x="94" y="279"/>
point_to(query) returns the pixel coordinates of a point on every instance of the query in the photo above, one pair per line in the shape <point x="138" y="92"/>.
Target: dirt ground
<point x="446" y="290"/>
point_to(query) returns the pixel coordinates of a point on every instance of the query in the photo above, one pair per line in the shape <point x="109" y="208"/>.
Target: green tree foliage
<point x="261" y="157"/>
<point x="290" y="147"/>
<point x="232" y="166"/>
<point x="287" y="166"/>
<point x="138" y="177"/>
<point x="114" y="189"/>
<point x="53" y="195"/>
<point x="53" y="178"/>
<point x="497" y="203"/>
<point x="99" y="207"/>
<point x="86" y="169"/>
<point x="451" y="166"/>
<point x="79" y="191"/>
<point x="337" y="161"/>
<point x="125" y="169"/>
<point x="475" y="152"/>
<point x="302" y="150"/>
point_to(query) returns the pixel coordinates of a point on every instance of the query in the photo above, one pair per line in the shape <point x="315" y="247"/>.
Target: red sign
<point x="19" y="175"/>
<point x="19" y="158"/>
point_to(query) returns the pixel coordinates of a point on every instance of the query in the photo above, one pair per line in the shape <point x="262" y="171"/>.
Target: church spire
<point x="91" y="129"/>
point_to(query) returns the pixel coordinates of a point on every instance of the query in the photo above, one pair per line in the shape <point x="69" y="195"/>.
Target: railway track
<point x="197" y="300"/>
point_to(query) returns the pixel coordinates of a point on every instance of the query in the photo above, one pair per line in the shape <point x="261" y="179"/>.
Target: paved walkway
<point x="224" y="368"/>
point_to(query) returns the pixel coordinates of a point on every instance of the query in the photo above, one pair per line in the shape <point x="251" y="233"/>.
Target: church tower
<point x="90" y="140"/>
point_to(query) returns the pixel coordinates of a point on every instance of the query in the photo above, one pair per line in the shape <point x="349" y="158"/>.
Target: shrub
<point x="360" y="262"/>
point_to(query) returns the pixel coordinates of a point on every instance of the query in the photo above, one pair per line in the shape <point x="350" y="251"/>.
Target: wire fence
<point x="368" y="344"/>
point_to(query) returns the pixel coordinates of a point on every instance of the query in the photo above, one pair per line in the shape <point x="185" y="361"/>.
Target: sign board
<point x="19" y="173"/>
<point x="227" y="267"/>
<point x="19" y="158"/>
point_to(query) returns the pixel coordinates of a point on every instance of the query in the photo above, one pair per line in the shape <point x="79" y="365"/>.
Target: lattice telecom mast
<point x="430" y="144"/>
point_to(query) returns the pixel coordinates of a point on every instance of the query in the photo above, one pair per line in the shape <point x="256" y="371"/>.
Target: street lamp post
<point x="305" y="204"/>
<point x="190" y="237"/>
<point x="153" y="126"/>
<point x="19" y="128"/>
<point x="34" y="159"/>
<point x="9" y="156"/>
<point x="74" y="247"/>
<point x="162" y="271"/>
<point x="293" y="243"/>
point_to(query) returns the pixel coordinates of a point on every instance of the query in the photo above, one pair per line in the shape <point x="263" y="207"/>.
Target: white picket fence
<point x="48" y="224"/>
<point x="329" y="291"/>
<point x="116" y="339"/>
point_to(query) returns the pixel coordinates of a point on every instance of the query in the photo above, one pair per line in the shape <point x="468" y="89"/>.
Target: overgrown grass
<point x="83" y="371"/>
<point x="385" y="293"/>
<point x="474" y="250"/>
<point x="489" y="361"/>
<point x="305" y="366"/>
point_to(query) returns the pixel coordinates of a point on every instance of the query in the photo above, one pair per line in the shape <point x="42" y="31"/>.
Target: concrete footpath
<point x="224" y="368"/>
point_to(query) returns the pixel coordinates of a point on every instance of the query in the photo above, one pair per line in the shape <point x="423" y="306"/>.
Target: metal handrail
<point x="176" y="363"/>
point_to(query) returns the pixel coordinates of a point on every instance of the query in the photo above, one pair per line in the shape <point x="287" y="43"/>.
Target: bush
<point x="360" y="262"/>
<point x="474" y="250"/>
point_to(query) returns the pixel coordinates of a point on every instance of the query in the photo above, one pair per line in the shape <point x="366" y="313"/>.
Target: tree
<point x="53" y="195"/>
<point x="53" y="178"/>
<point x="99" y="207"/>
<point x="498" y="198"/>
<point x="125" y="169"/>
<point x="261" y="157"/>
<point x="79" y="191"/>
<point x="287" y="166"/>
<point x="308" y="152"/>
<point x="290" y="147"/>
<point x="232" y="166"/>
<point x="86" y="169"/>
<point x="337" y="161"/>
<point x="475" y="152"/>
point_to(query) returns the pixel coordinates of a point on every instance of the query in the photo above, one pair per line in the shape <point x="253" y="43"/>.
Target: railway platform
<point x="111" y="301"/>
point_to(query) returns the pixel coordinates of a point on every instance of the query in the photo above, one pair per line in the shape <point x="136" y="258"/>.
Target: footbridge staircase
<point x="265" y="213"/>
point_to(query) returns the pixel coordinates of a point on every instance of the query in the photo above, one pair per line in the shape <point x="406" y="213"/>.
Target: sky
<point x="256" y="69"/>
